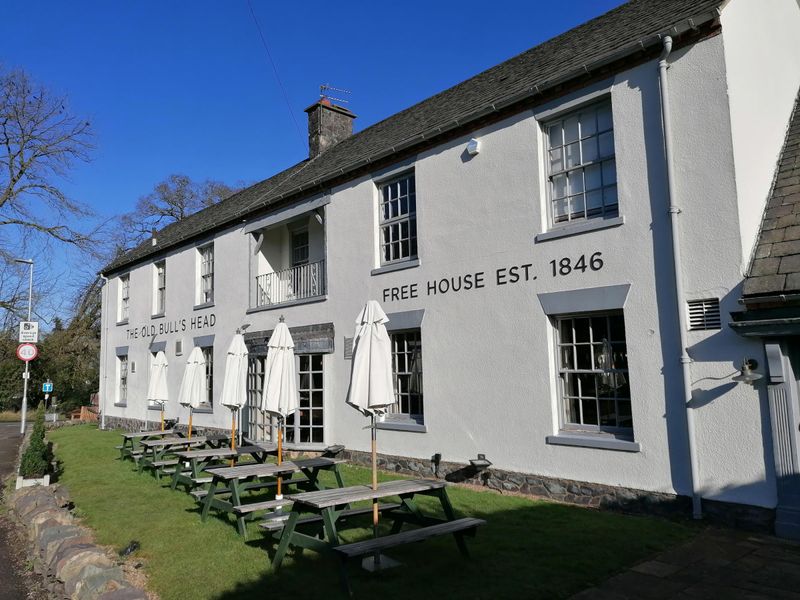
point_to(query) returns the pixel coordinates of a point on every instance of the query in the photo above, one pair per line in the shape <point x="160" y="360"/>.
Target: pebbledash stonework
<point x="588" y="256"/>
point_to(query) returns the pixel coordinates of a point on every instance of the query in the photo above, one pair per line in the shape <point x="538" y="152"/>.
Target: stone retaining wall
<point x="63" y="550"/>
<point x="621" y="499"/>
<point x="138" y="424"/>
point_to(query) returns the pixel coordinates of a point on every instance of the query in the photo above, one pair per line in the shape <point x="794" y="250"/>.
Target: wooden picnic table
<point x="235" y="481"/>
<point x="197" y="461"/>
<point x="329" y="507"/>
<point x="131" y="440"/>
<point x="155" y="452"/>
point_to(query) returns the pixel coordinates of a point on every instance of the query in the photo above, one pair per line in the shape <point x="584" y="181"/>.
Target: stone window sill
<point x="406" y="264"/>
<point x="578" y="228"/>
<point x="122" y="322"/>
<point x="121" y="404"/>
<point x="203" y="410"/>
<point x="158" y="316"/>
<point x="403" y="425"/>
<point x="593" y="440"/>
<point x="204" y="305"/>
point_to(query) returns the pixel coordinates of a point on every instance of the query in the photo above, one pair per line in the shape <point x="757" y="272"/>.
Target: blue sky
<point x="186" y="87"/>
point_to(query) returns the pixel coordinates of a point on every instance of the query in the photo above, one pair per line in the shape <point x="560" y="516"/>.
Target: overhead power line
<point x="277" y="76"/>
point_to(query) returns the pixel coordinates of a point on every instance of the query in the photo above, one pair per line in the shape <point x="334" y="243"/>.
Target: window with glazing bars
<point x="300" y="247"/>
<point x="407" y="367"/>
<point x="307" y="425"/>
<point x="207" y="274"/>
<point x="593" y="372"/>
<point x="122" y="392"/>
<point x="208" y="354"/>
<point x="582" y="169"/>
<point x="398" y="220"/>
<point x="124" y="297"/>
<point x="161" y="288"/>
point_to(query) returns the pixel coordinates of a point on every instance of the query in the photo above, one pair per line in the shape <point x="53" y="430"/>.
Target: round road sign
<point x="27" y="352"/>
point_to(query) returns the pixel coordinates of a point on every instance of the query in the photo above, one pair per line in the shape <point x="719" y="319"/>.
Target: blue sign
<point x="47" y="387"/>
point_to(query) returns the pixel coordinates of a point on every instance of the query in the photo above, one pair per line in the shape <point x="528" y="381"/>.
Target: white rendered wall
<point x="762" y="57"/>
<point x="488" y="357"/>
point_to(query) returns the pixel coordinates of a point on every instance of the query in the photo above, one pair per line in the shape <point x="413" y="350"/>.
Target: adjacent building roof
<point x="624" y="31"/>
<point x="775" y="268"/>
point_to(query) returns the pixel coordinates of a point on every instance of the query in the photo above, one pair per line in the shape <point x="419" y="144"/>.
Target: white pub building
<point x="562" y="244"/>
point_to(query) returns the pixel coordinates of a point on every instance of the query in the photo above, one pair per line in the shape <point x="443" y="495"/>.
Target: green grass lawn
<point x="528" y="549"/>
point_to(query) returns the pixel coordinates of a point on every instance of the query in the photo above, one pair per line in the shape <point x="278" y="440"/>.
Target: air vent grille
<point x="704" y="314"/>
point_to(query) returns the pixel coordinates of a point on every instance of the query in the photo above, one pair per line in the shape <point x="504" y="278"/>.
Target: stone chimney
<point x="328" y="125"/>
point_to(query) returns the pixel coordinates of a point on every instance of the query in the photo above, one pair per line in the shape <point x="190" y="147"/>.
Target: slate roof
<point x="775" y="268"/>
<point x="620" y="32"/>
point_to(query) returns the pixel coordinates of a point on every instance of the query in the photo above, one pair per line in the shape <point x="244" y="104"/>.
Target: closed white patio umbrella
<point x="157" y="386"/>
<point x="193" y="385"/>
<point x="280" y="383"/>
<point x="234" y="384"/>
<point x="371" y="388"/>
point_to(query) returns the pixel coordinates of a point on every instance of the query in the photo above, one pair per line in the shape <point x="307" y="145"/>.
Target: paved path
<point x="718" y="563"/>
<point x="13" y="585"/>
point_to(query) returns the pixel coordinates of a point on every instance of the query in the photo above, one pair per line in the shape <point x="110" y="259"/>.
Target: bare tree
<point x="171" y="200"/>
<point x="40" y="141"/>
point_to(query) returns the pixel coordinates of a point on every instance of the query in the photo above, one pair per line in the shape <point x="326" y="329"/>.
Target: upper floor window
<point x="398" y="220"/>
<point x="205" y="256"/>
<point x="300" y="247"/>
<point x="160" y="288"/>
<point x="124" y="297"/>
<point x="593" y="373"/>
<point x="582" y="170"/>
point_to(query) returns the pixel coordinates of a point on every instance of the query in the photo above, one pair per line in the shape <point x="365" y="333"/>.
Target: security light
<point x="747" y="375"/>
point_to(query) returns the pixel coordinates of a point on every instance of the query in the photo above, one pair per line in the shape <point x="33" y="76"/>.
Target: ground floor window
<point x="122" y="381"/>
<point x="208" y="354"/>
<point x="593" y="372"/>
<point x="407" y="367"/>
<point x="306" y="425"/>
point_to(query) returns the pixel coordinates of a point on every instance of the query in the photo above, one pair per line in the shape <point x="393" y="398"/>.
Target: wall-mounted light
<point x="480" y="463"/>
<point x="435" y="460"/>
<point x="473" y="146"/>
<point x="318" y="215"/>
<point x="747" y="375"/>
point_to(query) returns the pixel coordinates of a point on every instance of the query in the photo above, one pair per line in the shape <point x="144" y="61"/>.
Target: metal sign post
<point x="26" y="376"/>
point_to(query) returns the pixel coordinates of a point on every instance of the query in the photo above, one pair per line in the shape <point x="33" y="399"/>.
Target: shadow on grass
<point x="528" y="549"/>
<point x="540" y="550"/>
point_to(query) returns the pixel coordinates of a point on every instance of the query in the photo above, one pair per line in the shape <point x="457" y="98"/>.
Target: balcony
<point x="302" y="282"/>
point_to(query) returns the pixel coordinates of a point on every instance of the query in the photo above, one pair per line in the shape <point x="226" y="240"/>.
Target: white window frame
<point x="313" y="384"/>
<point x="208" y="354"/>
<point x="205" y="275"/>
<point x="616" y="375"/>
<point x="122" y="379"/>
<point x="392" y="221"/>
<point x="159" y="291"/>
<point x="600" y="165"/>
<point x="402" y="392"/>
<point x="123" y="305"/>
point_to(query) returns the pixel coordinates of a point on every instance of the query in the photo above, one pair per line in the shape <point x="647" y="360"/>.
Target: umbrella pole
<point x="233" y="433"/>
<point x="162" y="416"/>
<point x="279" y="494"/>
<point x="375" y="487"/>
<point x="190" y="422"/>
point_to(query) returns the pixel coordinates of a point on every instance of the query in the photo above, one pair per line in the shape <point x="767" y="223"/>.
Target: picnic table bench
<point x="131" y="441"/>
<point x="155" y="453"/>
<point x="330" y="507"/>
<point x="191" y="464"/>
<point x="233" y="482"/>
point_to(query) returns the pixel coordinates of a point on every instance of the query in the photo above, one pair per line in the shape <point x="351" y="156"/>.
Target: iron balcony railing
<point x="289" y="285"/>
